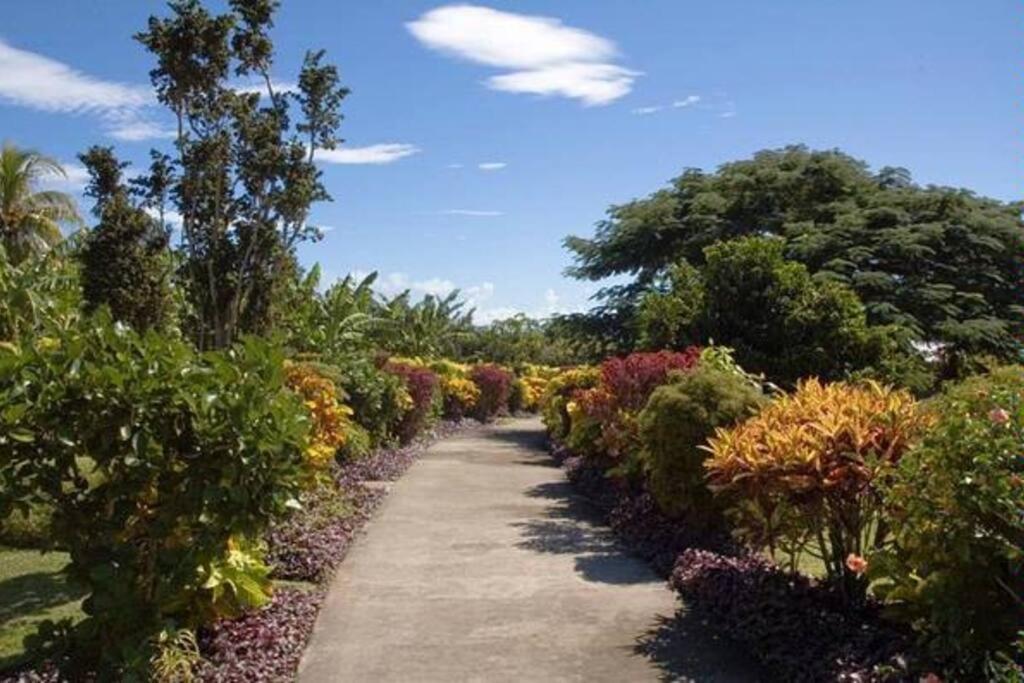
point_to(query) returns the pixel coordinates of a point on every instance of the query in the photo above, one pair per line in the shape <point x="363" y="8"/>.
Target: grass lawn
<point x="32" y="589"/>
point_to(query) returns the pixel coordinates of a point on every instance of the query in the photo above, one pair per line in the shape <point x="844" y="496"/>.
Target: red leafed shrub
<point x="421" y="384"/>
<point x="626" y="385"/>
<point x="631" y="380"/>
<point x="495" y="384"/>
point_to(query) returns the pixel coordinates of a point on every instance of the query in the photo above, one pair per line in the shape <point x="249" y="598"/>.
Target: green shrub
<point x="358" y="444"/>
<point x="196" y="453"/>
<point x="674" y="426"/>
<point x="956" y="507"/>
<point x="378" y="399"/>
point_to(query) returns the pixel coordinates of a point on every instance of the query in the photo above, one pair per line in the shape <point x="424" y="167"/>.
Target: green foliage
<point x="30" y="219"/>
<point x="517" y="340"/>
<point x="247" y="176"/>
<point x="378" y="399"/>
<point x="669" y="316"/>
<point x="431" y="328"/>
<point x="358" y="444"/>
<point x="780" y="320"/>
<point x="154" y="461"/>
<point x="942" y="262"/>
<point x="956" y="568"/>
<point x="39" y="296"/>
<point x="674" y="427"/>
<point x="125" y="260"/>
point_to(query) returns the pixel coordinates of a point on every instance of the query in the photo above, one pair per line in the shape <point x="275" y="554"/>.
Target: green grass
<point x="32" y="589"/>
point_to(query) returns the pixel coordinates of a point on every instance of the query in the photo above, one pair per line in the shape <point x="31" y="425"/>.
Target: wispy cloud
<point x="454" y="166"/>
<point x="37" y="82"/>
<point x="384" y="153"/>
<point x="492" y="165"/>
<point x="688" y="101"/>
<point x="544" y="56"/>
<point x="470" y="212"/>
<point x="74" y="179"/>
<point x="138" y="129"/>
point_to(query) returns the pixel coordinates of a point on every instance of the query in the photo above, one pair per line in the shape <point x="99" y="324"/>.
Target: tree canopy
<point x="944" y="263"/>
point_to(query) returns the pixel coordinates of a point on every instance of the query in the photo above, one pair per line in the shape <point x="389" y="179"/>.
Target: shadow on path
<point x="685" y="648"/>
<point x="572" y="526"/>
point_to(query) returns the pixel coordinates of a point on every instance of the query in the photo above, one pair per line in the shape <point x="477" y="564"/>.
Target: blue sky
<point x="498" y="129"/>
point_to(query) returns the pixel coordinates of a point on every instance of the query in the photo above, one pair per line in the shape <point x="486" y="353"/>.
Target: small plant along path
<point x="484" y="566"/>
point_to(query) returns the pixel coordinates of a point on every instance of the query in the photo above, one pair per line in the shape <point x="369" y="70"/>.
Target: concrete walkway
<point x="483" y="565"/>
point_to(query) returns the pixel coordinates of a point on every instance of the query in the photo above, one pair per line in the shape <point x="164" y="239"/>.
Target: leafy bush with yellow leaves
<point x="460" y="395"/>
<point x="331" y="420"/>
<point x="805" y="473"/>
<point x="560" y="391"/>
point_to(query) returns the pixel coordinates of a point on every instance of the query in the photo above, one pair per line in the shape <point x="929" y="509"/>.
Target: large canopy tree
<point x="30" y="218"/>
<point x="244" y="175"/>
<point x="942" y="262"/>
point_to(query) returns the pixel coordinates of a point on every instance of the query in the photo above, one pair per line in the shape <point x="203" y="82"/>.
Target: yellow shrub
<point x="330" y="419"/>
<point x="561" y="389"/>
<point x="806" y="469"/>
<point x="532" y="388"/>
<point x="460" y="389"/>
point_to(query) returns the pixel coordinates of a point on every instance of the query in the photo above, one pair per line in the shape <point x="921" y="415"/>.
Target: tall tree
<point x="30" y="218"/>
<point x="125" y="260"/>
<point x="246" y="175"/>
<point x="942" y="262"/>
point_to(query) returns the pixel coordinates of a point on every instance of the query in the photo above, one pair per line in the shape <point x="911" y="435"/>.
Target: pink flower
<point x="856" y="564"/>
<point x="999" y="416"/>
<point x="930" y="678"/>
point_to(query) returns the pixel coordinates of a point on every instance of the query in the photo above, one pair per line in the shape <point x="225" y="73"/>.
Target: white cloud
<point x="551" y="299"/>
<point x="728" y="114"/>
<point x="470" y="212"/>
<point x="384" y="153"/>
<point x="31" y="80"/>
<point x="544" y="56"/>
<point x="593" y="84"/>
<point x="74" y="179"/>
<point x="139" y="129"/>
<point x="172" y="218"/>
<point x="454" y="166"/>
<point x="486" y="316"/>
<point x="492" y="165"/>
<point x="35" y="81"/>
<point x="687" y="101"/>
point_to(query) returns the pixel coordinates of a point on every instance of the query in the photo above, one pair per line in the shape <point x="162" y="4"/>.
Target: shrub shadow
<point x="27" y="593"/>
<point x="571" y="525"/>
<point x="685" y="648"/>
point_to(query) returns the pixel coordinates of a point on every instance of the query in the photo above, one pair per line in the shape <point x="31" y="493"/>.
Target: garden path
<point x="483" y="565"/>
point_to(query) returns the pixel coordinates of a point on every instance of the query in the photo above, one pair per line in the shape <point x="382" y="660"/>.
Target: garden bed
<point x="790" y="623"/>
<point x="304" y="551"/>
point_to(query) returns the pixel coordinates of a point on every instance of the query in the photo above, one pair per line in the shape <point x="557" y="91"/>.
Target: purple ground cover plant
<point x="792" y="624"/>
<point x="263" y="645"/>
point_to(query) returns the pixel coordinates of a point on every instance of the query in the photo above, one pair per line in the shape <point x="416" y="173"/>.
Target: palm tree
<point x="29" y="218"/>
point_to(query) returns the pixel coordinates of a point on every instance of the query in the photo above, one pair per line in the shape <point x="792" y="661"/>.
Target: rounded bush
<point x="674" y="427"/>
<point x="495" y="384"/>
<point x="956" y="508"/>
<point x="197" y="453"/>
